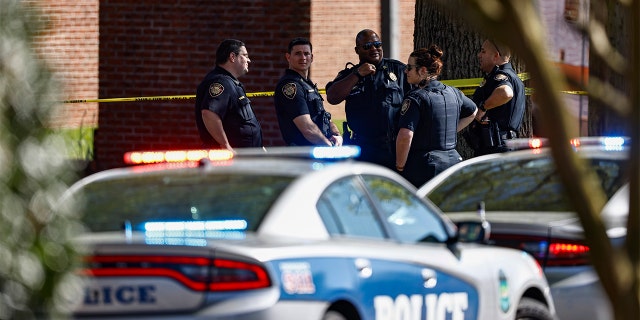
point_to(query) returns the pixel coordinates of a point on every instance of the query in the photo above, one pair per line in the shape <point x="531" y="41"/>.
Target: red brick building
<point x="121" y="48"/>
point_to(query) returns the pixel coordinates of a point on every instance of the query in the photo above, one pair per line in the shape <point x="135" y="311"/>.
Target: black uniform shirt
<point x="223" y="94"/>
<point x="372" y="106"/>
<point x="433" y="114"/>
<point x="509" y="115"/>
<point x="296" y="96"/>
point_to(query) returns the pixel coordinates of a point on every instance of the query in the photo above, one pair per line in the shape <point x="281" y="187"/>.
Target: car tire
<point x="530" y="309"/>
<point x="333" y="315"/>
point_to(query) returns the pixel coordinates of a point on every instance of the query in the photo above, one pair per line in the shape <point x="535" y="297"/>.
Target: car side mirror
<point x="477" y="231"/>
<point x="474" y="231"/>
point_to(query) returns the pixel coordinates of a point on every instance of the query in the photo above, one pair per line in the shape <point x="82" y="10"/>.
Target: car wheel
<point x="530" y="309"/>
<point x="333" y="315"/>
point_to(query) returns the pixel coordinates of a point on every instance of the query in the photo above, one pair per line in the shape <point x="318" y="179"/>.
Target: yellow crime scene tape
<point x="467" y="86"/>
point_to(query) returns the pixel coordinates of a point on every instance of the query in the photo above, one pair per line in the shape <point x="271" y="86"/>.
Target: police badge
<point x="405" y="106"/>
<point x="215" y="89"/>
<point x="289" y="90"/>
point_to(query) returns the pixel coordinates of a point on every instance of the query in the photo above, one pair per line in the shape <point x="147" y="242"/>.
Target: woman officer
<point x="431" y="115"/>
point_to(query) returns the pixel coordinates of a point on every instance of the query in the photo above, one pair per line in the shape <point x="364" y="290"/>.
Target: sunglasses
<point x="412" y="66"/>
<point x="368" y="45"/>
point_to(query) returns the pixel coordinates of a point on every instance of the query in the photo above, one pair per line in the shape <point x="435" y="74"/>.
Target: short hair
<point x="430" y="58"/>
<point x="299" y="41"/>
<point x="502" y="49"/>
<point x="364" y="33"/>
<point x="225" y="48"/>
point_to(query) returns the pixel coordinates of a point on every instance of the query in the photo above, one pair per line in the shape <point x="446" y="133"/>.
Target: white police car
<point x="277" y="235"/>
<point x="528" y="209"/>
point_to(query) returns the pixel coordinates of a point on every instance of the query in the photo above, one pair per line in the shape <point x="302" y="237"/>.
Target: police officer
<point x="301" y="115"/>
<point x="373" y="90"/>
<point x="500" y="98"/>
<point x="430" y="117"/>
<point x="224" y="116"/>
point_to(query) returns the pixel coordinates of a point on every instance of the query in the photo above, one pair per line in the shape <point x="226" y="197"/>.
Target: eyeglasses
<point x="412" y="66"/>
<point x="368" y="45"/>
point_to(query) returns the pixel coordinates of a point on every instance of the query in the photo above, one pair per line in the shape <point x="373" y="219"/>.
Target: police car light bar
<point x="609" y="143"/>
<point x="148" y="157"/>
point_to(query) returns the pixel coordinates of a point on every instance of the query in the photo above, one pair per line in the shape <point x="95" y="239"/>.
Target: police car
<point x="286" y="233"/>
<point x="528" y="209"/>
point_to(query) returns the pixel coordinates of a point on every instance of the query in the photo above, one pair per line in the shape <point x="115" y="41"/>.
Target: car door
<point x="397" y="278"/>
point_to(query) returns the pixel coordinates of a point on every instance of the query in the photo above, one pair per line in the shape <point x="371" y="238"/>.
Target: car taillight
<point x="196" y="273"/>
<point x="554" y="253"/>
<point x="567" y="254"/>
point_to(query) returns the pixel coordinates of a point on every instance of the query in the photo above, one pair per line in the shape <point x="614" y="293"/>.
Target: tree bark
<point x="460" y="43"/>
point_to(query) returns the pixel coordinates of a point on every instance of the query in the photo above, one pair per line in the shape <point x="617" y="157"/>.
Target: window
<point x="410" y="219"/>
<point x="517" y="185"/>
<point x="346" y="210"/>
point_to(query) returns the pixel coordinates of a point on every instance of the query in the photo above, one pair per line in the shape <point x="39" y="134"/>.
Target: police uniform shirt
<point x="371" y="107"/>
<point x="433" y="113"/>
<point x="223" y="94"/>
<point x="508" y="116"/>
<point x="295" y="96"/>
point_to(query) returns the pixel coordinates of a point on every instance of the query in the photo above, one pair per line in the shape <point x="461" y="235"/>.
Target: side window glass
<point x="407" y="216"/>
<point x="346" y="210"/>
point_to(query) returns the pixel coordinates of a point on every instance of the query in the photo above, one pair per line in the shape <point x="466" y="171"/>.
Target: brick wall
<point x="69" y="44"/>
<point x="150" y="48"/>
<point x="120" y="48"/>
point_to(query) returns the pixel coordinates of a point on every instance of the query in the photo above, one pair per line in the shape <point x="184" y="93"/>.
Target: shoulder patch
<point x="500" y="77"/>
<point x="216" y="89"/>
<point x="289" y="90"/>
<point x="393" y="76"/>
<point x="405" y="106"/>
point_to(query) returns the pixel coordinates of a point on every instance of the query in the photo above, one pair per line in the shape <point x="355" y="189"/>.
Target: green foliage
<point x="78" y="142"/>
<point x="37" y="254"/>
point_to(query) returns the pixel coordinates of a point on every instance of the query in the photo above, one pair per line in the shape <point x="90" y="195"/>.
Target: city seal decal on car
<point x="446" y="305"/>
<point x="289" y="90"/>
<point x="505" y="303"/>
<point x="297" y="278"/>
<point x="216" y="89"/>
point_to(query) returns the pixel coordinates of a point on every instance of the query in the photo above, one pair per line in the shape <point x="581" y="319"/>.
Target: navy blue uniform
<point x="433" y="113"/>
<point x="372" y="107"/>
<point x="296" y="96"/>
<point x="508" y="116"/>
<point x="223" y="94"/>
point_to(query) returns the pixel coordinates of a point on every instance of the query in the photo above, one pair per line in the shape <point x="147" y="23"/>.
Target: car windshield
<point x="517" y="185"/>
<point x="109" y="204"/>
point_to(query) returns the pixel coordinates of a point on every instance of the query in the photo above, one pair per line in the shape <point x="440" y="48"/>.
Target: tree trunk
<point x="602" y="119"/>
<point x="460" y="44"/>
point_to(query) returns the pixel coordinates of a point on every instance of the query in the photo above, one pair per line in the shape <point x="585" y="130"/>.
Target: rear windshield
<point x="524" y="185"/>
<point x="108" y="205"/>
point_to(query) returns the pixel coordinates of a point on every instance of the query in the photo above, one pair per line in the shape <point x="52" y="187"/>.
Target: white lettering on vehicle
<point x="438" y="307"/>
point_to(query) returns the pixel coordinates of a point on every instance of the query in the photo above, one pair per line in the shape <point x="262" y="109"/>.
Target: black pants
<point x="421" y="167"/>
<point x="379" y="153"/>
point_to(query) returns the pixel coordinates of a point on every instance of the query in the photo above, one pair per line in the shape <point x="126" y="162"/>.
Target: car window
<point x="407" y="216"/>
<point x="346" y="210"/>
<point x="521" y="185"/>
<point x="187" y="197"/>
